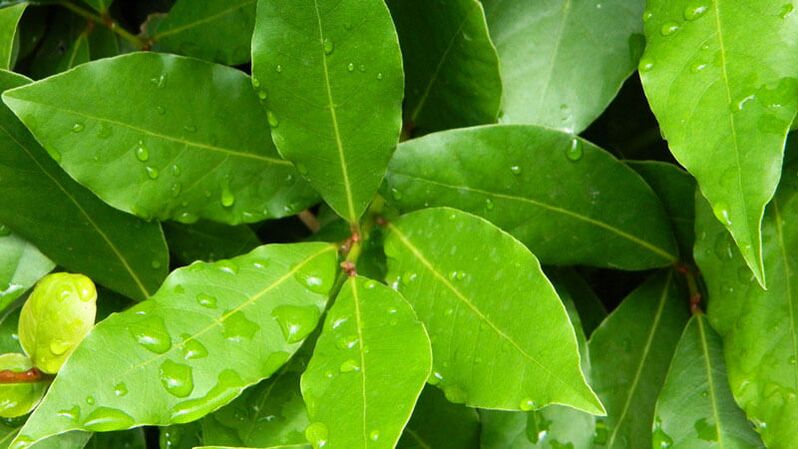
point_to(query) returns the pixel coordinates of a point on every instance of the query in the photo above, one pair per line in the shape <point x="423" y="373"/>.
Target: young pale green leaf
<point x="69" y="224"/>
<point x="208" y="241"/>
<point x="676" y="190"/>
<point x="167" y="360"/>
<point x="451" y="66"/>
<point x="563" y="61"/>
<point x="330" y="72"/>
<point x="478" y="290"/>
<point x="21" y="265"/>
<point x="759" y="327"/>
<point x="725" y="104"/>
<point x="56" y="317"/>
<point x="18" y="399"/>
<point x="215" y="30"/>
<point x="166" y="155"/>
<point x="630" y="354"/>
<point x="437" y="423"/>
<point x="100" y="5"/>
<point x="566" y="199"/>
<point x="9" y="18"/>
<point x="695" y="409"/>
<point x="367" y="371"/>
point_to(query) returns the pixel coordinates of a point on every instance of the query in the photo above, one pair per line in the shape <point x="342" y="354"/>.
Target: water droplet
<point x="316" y="433"/>
<point x="314" y="283"/>
<point x="362" y="68"/>
<point x="296" y="322"/>
<point x="374" y="435"/>
<point x="90" y="400"/>
<point x="104" y="419"/>
<point x="152" y="172"/>
<point x="161" y="110"/>
<point x="660" y="439"/>
<point x="350" y="67"/>
<point x="193" y="349"/>
<point x="516" y="170"/>
<point x="528" y="404"/>
<point x="255" y="82"/>
<point x="227" y="266"/>
<point x="349" y="366"/>
<point x="706" y="431"/>
<point x="786" y="10"/>
<point x="647" y="16"/>
<point x="669" y="28"/>
<point x="278" y="68"/>
<point x="59" y="347"/>
<point x="176" y="378"/>
<point x="646" y="64"/>
<point x="228" y="199"/>
<point x="22" y="442"/>
<point x="175" y="170"/>
<point x="396" y="194"/>
<point x="697" y="67"/>
<point x="159" y="81"/>
<point x="71" y="414"/>
<point x="206" y="300"/>
<point x="262" y="95"/>
<point x="328" y="45"/>
<point x="228" y="386"/>
<point x="175" y="189"/>
<point x="455" y="394"/>
<point x="142" y="153"/>
<point x="489" y="204"/>
<point x="692" y="12"/>
<point x="78" y="127"/>
<point x="238" y="327"/>
<point x="272" y="119"/>
<point x="574" y="151"/>
<point x="721" y="211"/>
<point x="379" y="77"/>
<point x="151" y="334"/>
<point x="120" y="389"/>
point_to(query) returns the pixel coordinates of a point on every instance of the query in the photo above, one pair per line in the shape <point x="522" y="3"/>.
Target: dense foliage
<point x="423" y="224"/>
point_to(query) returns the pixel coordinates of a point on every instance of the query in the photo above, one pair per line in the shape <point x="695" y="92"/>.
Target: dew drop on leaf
<point x="152" y="172"/>
<point x="350" y="67"/>
<point x="238" y="327"/>
<point x="151" y="333"/>
<point x="78" y="127"/>
<point x="515" y="169"/>
<point x="296" y="322"/>
<point x="176" y="378"/>
<point x="193" y="349"/>
<point x="328" y="45"/>
<point x="120" y="389"/>
<point x="272" y="119"/>
<point x="669" y="28"/>
<point x="374" y="435"/>
<point x="104" y="419"/>
<point x="705" y="430"/>
<point x="527" y="405"/>
<point x="349" y="366"/>
<point x="206" y="300"/>
<point x="142" y="153"/>
<point x="660" y="439"/>
<point x="317" y="433"/>
<point x="575" y="150"/>
<point x="693" y="12"/>
<point x="721" y="211"/>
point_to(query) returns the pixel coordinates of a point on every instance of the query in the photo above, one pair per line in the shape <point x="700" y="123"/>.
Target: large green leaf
<point x="478" y="290"/>
<point x="589" y="310"/>
<point x="695" y="409"/>
<point x="21" y="265"/>
<point x="437" y="423"/>
<point x="69" y="224"/>
<point x="562" y="61"/>
<point x="721" y="78"/>
<point x="630" y="353"/>
<point x="9" y="18"/>
<point x="330" y="72"/>
<point x="368" y="368"/>
<point x="170" y="153"/>
<point x="759" y="327"/>
<point x="216" y="30"/>
<point x="167" y="360"/>
<point x="65" y="44"/>
<point x="566" y="199"/>
<point x="451" y="66"/>
<point x="208" y="241"/>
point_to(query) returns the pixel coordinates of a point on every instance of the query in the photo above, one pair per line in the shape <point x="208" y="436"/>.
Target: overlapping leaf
<point x="21" y="265"/>
<point x="9" y="18"/>
<point x="208" y="241"/>
<point x="438" y="423"/>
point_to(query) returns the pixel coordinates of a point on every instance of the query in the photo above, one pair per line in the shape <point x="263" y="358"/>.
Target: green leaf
<point x="577" y="294"/>
<point x="9" y="18"/>
<point x="330" y="72"/>
<point x="758" y="327"/>
<point x="630" y="353"/>
<point x="69" y="224"/>
<point x="437" y="423"/>
<point x="695" y="408"/>
<point x="566" y="199"/>
<point x="208" y="241"/>
<point x="287" y="446"/>
<point x="724" y="105"/>
<point x="368" y="368"/>
<point x="165" y="156"/>
<point x="128" y="439"/>
<point x="167" y="360"/>
<point x="215" y="30"/>
<point x="100" y="5"/>
<point x="676" y="188"/>
<point x="563" y="61"/>
<point x="9" y="337"/>
<point x="18" y="399"/>
<point x="450" y="266"/>
<point x="66" y="44"/>
<point x="181" y="436"/>
<point x="21" y="265"/>
<point x="451" y="66"/>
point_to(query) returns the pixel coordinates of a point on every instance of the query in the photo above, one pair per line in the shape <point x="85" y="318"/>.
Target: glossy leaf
<point x="215" y="30"/>
<point x="695" y="408"/>
<point x="451" y="66"/>
<point x="758" y="326"/>
<point x="458" y="271"/>
<point x="69" y="224"/>
<point x="175" y="348"/>
<point x="330" y="72"/>
<point x="18" y="399"/>
<point x="287" y="446"/>
<point x="438" y="423"/>
<point x="368" y="368"/>
<point x="724" y="105"/>
<point x="167" y="157"/>
<point x="9" y="337"/>
<point x="9" y="18"/>
<point x="630" y="353"/>
<point x="208" y="241"/>
<point x="21" y="265"/>
<point x="128" y="439"/>
<point x="563" y="61"/>
<point x="181" y="436"/>
<point x="581" y="302"/>
<point x="563" y="197"/>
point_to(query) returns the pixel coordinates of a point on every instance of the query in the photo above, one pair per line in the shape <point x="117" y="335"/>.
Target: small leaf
<point x="695" y="408"/>
<point x="21" y="265"/>
<point x="9" y="18"/>
<point x="437" y="423"/>
<point x="208" y="241"/>
<point x="18" y="399"/>
<point x="367" y="370"/>
<point x="478" y="291"/>
<point x="66" y="222"/>
<point x="167" y="360"/>
<point x="56" y="318"/>
<point x="563" y="61"/>
<point x="568" y="200"/>
<point x="724" y="106"/>
<point x="451" y="66"/>
<point x="166" y="155"/>
<point x="631" y="351"/>
<point x="330" y="72"/>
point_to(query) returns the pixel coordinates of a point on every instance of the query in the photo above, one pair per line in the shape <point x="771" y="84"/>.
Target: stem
<point x="30" y="376"/>
<point x="106" y="21"/>
<point x="309" y="220"/>
<point x="692" y="286"/>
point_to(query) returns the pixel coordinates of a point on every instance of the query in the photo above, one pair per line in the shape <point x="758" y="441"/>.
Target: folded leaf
<point x="437" y="423"/>
<point x="695" y="408"/>
<point x="330" y="72"/>
<point x="451" y="66"/>
<point x="69" y="224"/>
<point x="563" y="61"/>
<point x="21" y="265"/>
<point x="725" y="104"/>
<point x="478" y="291"/>
<point x="167" y="360"/>
<point x="566" y="199"/>
<point x="171" y="153"/>
<point x="630" y="353"/>
<point x="367" y="370"/>
<point x="9" y="18"/>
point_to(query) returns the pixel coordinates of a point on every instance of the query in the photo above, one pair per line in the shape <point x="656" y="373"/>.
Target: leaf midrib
<point x="362" y="351"/>
<point x="710" y="380"/>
